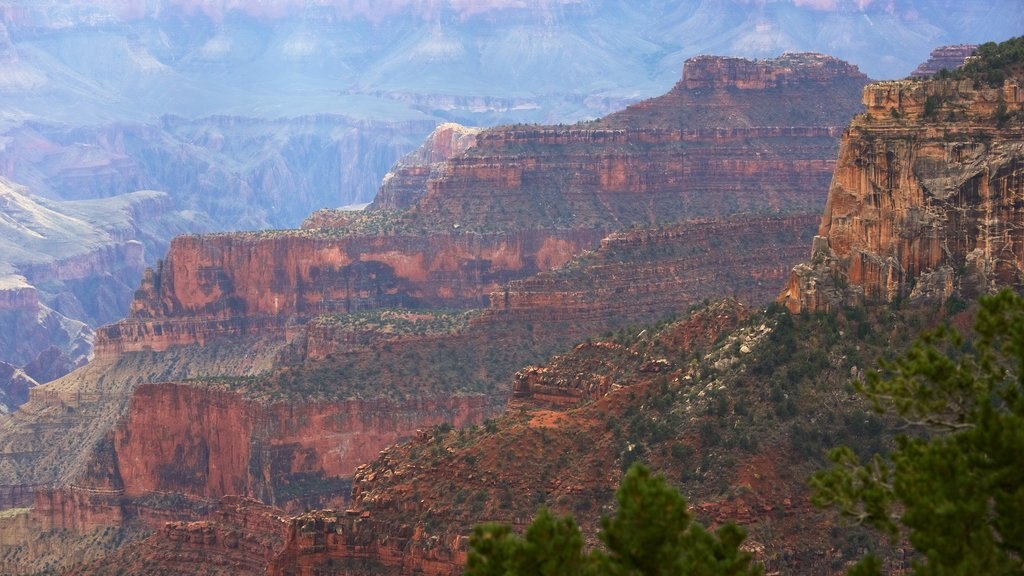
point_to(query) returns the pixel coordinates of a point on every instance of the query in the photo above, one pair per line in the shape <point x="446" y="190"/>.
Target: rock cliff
<point x="238" y="284"/>
<point x="516" y="202"/>
<point x="943" y="58"/>
<point x="790" y="69"/>
<point x="732" y="136"/>
<point x="644" y="274"/>
<point x="923" y="204"/>
<point x="273" y="365"/>
<point x="406" y="182"/>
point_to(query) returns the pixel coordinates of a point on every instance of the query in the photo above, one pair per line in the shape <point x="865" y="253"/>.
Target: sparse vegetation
<point x="993" y="63"/>
<point x="652" y="533"/>
<point x="954" y="484"/>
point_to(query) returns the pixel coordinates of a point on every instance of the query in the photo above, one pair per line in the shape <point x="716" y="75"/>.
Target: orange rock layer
<point x="925" y="199"/>
<point x="207" y="444"/>
<point x="231" y="285"/>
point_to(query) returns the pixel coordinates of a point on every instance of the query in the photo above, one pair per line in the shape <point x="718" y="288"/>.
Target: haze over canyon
<point x="307" y="288"/>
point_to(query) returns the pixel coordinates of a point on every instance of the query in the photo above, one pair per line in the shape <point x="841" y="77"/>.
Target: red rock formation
<point x="518" y="203"/>
<point x="645" y="274"/>
<point x="733" y="136"/>
<point x="943" y="58"/>
<point x="588" y="373"/>
<point x="239" y="536"/>
<point x="405" y="183"/>
<point x="704" y="72"/>
<point x="207" y="444"/>
<point x="918" y="207"/>
<point x="244" y="284"/>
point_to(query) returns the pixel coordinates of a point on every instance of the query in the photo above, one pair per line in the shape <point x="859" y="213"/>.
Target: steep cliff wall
<point x="519" y="201"/>
<point x="924" y="202"/>
<point x="204" y="444"/>
<point x="248" y="283"/>
<point x="704" y="72"/>
<point x="406" y="182"/>
<point x="646" y="274"/>
<point x="733" y="136"/>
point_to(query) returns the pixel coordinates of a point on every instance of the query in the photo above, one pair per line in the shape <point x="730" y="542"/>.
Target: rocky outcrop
<point x="646" y="274"/>
<point x="702" y="150"/>
<point x="588" y="373"/>
<point x="715" y="72"/>
<point x="238" y="536"/>
<point x="406" y="182"/>
<point x="943" y="58"/>
<point x="219" y="285"/>
<point x="923" y="204"/>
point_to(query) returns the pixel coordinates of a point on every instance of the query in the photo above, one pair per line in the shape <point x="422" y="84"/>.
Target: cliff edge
<point x="925" y="200"/>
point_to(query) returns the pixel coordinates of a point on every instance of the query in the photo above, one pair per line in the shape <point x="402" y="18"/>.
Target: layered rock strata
<point x="227" y="285"/>
<point x="225" y="345"/>
<point x="943" y="58"/>
<point x="406" y="182"/>
<point x="517" y="202"/>
<point x="645" y="274"/>
<point x="925" y="199"/>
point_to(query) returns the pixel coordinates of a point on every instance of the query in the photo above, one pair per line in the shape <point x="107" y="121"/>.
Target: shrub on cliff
<point x="956" y="488"/>
<point x="652" y="533"/>
<point x="992" y="63"/>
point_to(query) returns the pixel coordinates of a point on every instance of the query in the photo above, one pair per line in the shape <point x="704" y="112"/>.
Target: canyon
<point x="69" y="265"/>
<point x="734" y="405"/>
<point x="252" y="118"/>
<point x="914" y="194"/>
<point x="269" y="365"/>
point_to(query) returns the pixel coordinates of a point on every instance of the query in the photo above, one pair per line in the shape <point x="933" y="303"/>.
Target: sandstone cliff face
<point x="646" y="274"/>
<point x="943" y="58"/>
<point x="275" y="402"/>
<point x="704" y="72"/>
<point x="406" y="182"/>
<point x="206" y="444"/>
<point x="401" y="523"/>
<point x="732" y="136"/>
<point x="517" y="202"/>
<point x="246" y="284"/>
<point x="924" y="199"/>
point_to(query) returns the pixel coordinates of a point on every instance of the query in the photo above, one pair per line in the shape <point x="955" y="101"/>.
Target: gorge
<point x="275" y="362"/>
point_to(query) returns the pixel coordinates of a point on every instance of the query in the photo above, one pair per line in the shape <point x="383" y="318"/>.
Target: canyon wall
<point x="732" y="136"/>
<point x="406" y="182"/>
<point x="704" y="72"/>
<point x="924" y="202"/>
<point x="245" y="367"/>
<point x="517" y="202"/>
<point x="203" y="444"/>
<point x="645" y="274"/>
<point x="251" y="283"/>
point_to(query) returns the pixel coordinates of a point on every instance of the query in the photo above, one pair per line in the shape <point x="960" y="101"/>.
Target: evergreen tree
<point x="955" y="486"/>
<point x="651" y="534"/>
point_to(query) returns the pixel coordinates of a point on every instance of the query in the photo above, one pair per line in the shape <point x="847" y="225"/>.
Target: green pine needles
<point x="954" y="484"/>
<point x="651" y="534"/>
